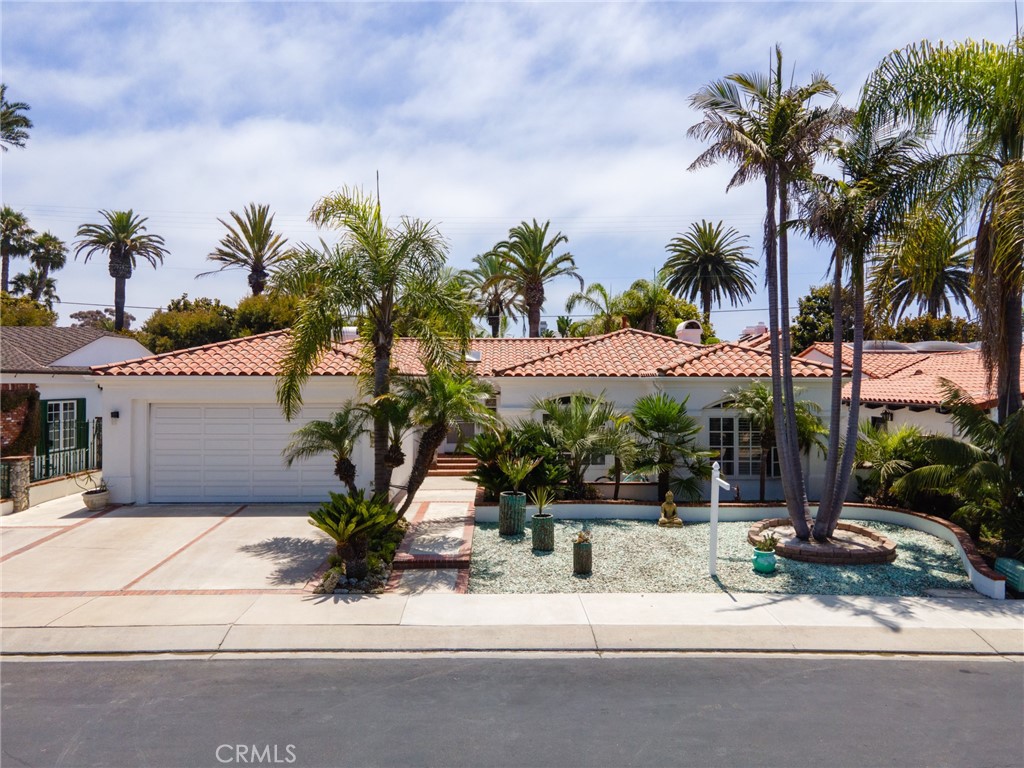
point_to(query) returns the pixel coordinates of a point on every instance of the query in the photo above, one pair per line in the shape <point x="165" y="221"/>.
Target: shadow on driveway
<point x="296" y="559"/>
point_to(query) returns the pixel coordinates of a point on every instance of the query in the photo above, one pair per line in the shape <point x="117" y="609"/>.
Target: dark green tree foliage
<point x="187" y="323"/>
<point x="814" y="321"/>
<point x="264" y="312"/>
<point x="21" y="310"/>
<point x="524" y="438"/>
<point x="103" y="319"/>
<point x="925" y="328"/>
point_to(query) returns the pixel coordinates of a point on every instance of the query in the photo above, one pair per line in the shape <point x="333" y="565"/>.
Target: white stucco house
<point x="203" y="424"/>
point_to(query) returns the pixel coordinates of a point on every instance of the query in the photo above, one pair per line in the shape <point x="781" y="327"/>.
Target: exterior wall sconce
<point x="887" y="415"/>
<point x="115" y="415"/>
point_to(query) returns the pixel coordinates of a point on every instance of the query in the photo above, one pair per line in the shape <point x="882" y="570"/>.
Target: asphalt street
<point x="514" y="711"/>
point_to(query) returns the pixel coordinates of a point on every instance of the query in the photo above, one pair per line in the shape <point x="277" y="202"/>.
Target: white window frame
<point x="62" y="431"/>
<point x="741" y="455"/>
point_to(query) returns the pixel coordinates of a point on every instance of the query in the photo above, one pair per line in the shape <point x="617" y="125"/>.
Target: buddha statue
<point x="669" y="518"/>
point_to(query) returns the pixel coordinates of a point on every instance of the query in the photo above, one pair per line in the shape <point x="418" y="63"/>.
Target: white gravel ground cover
<point x="638" y="556"/>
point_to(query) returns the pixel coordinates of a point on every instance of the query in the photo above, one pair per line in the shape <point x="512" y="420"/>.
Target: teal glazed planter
<point x="764" y="562"/>
<point x="511" y="513"/>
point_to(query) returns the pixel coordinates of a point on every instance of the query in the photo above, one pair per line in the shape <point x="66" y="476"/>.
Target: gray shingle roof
<point x="31" y="349"/>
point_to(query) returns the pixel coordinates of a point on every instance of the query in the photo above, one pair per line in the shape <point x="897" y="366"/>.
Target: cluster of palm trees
<point x="45" y="251"/>
<point x="893" y="186"/>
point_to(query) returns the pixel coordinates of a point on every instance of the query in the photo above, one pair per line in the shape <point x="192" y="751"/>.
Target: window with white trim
<point x="738" y="445"/>
<point x="61" y="424"/>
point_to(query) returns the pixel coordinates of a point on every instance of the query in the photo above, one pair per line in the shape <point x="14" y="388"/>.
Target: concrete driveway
<point x="62" y="549"/>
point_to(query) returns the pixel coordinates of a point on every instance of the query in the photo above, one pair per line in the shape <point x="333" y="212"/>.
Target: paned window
<point x="738" y="445"/>
<point x="61" y="424"/>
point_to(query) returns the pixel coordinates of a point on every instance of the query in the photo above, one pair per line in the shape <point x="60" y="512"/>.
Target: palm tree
<point x="755" y="403"/>
<point x="491" y="292"/>
<point x="14" y="124"/>
<point x="620" y="442"/>
<point x="885" y="456"/>
<point x="439" y="402"/>
<point x="984" y="469"/>
<point x="124" y="239"/>
<point x="380" y="274"/>
<point x="576" y="426"/>
<point x="665" y="436"/>
<point x="927" y="262"/>
<point x="15" y="240"/>
<point x="973" y="90"/>
<point x="49" y="253"/>
<point x="530" y="263"/>
<point x="647" y="304"/>
<point x="38" y="287"/>
<point x="250" y="244"/>
<point x="601" y="303"/>
<point x="770" y="131"/>
<point x="881" y="174"/>
<point x="710" y="262"/>
<point x="338" y="437"/>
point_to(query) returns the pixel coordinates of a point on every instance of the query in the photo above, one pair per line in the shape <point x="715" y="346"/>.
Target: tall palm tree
<point x="709" y="262"/>
<point x="125" y="240"/>
<point x="755" y="403"/>
<point x="36" y="287"/>
<point x="665" y="435"/>
<point x="49" y="253"/>
<point x="973" y="90"/>
<point x="15" y="240"/>
<point x="492" y="293"/>
<point x="377" y="273"/>
<point x="250" y="244"/>
<point x="881" y="176"/>
<point x="14" y="123"/>
<point x="337" y="436"/>
<point x="577" y="427"/>
<point x="772" y="132"/>
<point x="598" y="300"/>
<point x="926" y="262"/>
<point x="439" y="402"/>
<point x="530" y="263"/>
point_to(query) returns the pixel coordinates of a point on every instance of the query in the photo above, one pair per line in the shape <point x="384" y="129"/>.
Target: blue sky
<point x="476" y="115"/>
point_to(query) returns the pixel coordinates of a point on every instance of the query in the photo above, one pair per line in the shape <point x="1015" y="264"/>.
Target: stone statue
<point x="669" y="518"/>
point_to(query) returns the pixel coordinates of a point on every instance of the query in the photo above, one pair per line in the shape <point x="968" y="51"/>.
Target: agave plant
<point x="352" y="521"/>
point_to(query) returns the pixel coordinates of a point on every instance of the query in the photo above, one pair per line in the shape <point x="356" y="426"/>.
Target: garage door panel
<point x="232" y="453"/>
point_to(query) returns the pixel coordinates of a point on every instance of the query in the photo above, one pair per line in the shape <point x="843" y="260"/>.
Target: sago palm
<point x="123" y="237"/>
<point x="975" y="92"/>
<point x="337" y="436"/>
<point x="530" y="263"/>
<point x="250" y="244"/>
<point x="439" y="402"/>
<point x="709" y="262"/>
<point x="378" y="273"/>
<point x="769" y="131"/>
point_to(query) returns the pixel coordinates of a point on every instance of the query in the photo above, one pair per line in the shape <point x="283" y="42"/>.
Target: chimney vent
<point x="689" y="331"/>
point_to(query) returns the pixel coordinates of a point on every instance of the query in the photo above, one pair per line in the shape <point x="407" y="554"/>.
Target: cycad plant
<point x="337" y="436"/>
<point x="983" y="468"/>
<point x="352" y="521"/>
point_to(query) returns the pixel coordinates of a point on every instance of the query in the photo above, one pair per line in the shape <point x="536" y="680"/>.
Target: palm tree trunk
<point x="706" y="302"/>
<point x="119" y="284"/>
<point x="430" y="441"/>
<point x="494" y="320"/>
<point x="796" y="514"/>
<point x="832" y="458"/>
<point x="1008" y="381"/>
<point x="826" y="524"/>
<point x="789" y="435"/>
<point x="5" y="278"/>
<point x="617" y="471"/>
<point x="381" y="386"/>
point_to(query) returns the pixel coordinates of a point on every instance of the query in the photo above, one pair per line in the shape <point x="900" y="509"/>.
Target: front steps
<point x="452" y="466"/>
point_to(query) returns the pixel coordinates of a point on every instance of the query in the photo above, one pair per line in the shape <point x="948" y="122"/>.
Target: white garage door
<point x="217" y="453"/>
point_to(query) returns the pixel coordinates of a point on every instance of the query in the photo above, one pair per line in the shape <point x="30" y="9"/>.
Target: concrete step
<point x="457" y="472"/>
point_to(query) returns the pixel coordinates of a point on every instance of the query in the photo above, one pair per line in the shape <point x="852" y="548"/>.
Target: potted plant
<point x="582" y="555"/>
<point x="543" y="523"/>
<point x="764" y="553"/>
<point x="512" y="504"/>
<point x="96" y="498"/>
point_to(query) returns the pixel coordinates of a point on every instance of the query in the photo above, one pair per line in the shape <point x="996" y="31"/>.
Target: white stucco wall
<point x="63" y="387"/>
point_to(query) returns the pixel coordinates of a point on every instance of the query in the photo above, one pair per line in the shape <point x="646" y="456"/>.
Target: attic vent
<point x="473" y="356"/>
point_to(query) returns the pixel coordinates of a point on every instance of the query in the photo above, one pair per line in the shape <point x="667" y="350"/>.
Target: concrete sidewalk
<point x="447" y="622"/>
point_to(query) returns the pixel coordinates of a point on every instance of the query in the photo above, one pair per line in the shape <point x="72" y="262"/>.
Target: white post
<point x="716" y="483"/>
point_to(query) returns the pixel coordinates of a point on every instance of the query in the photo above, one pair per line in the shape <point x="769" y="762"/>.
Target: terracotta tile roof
<point x="31" y="349"/>
<point x="921" y="382"/>
<point x="875" y="365"/>
<point x="248" y="356"/>
<point x="626" y="352"/>
<point x="739" y="360"/>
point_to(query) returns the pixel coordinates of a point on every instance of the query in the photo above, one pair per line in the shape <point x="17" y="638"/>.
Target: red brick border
<point x="829" y="553"/>
<point x="63" y="529"/>
<point x="405" y="560"/>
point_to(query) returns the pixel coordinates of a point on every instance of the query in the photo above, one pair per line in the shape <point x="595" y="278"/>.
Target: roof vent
<point x="473" y="356"/>
<point x="349" y="332"/>
<point x="689" y="331"/>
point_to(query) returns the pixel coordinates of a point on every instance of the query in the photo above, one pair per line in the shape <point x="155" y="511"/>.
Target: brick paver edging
<point x="405" y="559"/>
<point x="840" y="551"/>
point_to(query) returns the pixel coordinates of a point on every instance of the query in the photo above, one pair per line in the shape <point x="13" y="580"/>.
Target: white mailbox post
<point x="717" y="483"/>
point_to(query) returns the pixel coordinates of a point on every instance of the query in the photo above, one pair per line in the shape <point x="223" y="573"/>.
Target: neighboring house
<point x="56" y="364"/>
<point x="902" y="383"/>
<point x="203" y="424"/>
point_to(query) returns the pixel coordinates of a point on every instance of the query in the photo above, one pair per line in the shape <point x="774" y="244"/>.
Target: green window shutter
<point x="81" y="424"/>
<point x="44" y="428"/>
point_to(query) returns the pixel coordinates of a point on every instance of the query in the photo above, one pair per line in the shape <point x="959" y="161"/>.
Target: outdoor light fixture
<point x="887" y="415"/>
<point x="115" y="415"/>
